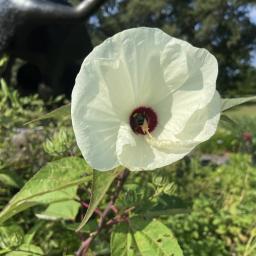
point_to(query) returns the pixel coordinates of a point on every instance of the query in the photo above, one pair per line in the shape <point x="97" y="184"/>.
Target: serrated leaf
<point x="53" y="182"/>
<point x="26" y="250"/>
<point x="233" y="102"/>
<point x="66" y="210"/>
<point x="144" y="237"/>
<point x="100" y="185"/>
<point x="11" y="236"/>
<point x="61" y="112"/>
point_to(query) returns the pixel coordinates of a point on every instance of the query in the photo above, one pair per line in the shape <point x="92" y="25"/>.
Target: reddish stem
<point x="86" y="244"/>
<point x="97" y="211"/>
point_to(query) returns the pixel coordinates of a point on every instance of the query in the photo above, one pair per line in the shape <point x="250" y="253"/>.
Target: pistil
<point x="160" y="144"/>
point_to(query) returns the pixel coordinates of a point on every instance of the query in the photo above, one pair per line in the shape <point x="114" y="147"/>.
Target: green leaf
<point x="166" y="205"/>
<point x="69" y="210"/>
<point x="3" y="61"/>
<point x="227" y="119"/>
<point x="230" y="103"/>
<point x="10" y="179"/>
<point x="26" y="250"/>
<point x="169" y="212"/>
<point x="4" y="88"/>
<point x="4" y="251"/>
<point x="122" y="241"/>
<point x="61" y="112"/>
<point x="53" y="182"/>
<point x="154" y="238"/>
<point x="90" y="226"/>
<point x="11" y="236"/>
<point x="143" y="237"/>
<point x="31" y="233"/>
<point x="100" y="185"/>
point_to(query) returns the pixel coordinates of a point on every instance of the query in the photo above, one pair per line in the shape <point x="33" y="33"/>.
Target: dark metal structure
<point x="50" y="36"/>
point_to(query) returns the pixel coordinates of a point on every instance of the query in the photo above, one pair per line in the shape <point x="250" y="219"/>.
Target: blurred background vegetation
<point x="216" y="184"/>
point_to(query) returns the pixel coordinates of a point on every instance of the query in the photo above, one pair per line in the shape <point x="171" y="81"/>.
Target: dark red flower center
<point x="139" y="116"/>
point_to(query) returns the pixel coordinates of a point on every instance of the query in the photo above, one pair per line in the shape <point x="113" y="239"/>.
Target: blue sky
<point x="252" y="15"/>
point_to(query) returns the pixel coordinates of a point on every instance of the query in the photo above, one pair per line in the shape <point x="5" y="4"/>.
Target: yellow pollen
<point x="145" y="128"/>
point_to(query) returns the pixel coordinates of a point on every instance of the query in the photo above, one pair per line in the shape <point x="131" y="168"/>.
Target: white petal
<point x="203" y="123"/>
<point x="136" y="154"/>
<point x="132" y="150"/>
<point x="138" y="51"/>
<point x="203" y="71"/>
<point x="196" y="92"/>
<point x="141" y="66"/>
<point x="115" y="79"/>
<point x="174" y="63"/>
<point x="94" y="122"/>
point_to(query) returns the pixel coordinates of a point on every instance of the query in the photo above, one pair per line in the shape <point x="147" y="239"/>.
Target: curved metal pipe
<point x="45" y="11"/>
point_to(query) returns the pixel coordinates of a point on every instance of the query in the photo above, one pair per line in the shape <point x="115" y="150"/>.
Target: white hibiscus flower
<point x="144" y="99"/>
